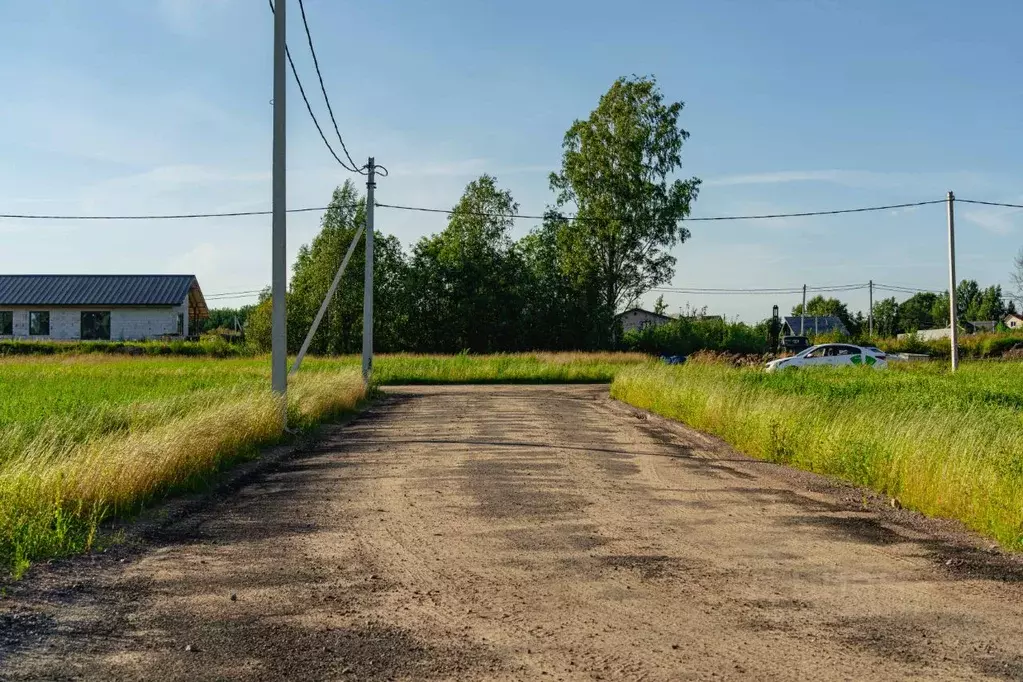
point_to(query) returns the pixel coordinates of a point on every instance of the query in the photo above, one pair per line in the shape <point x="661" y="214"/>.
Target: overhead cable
<point x="316" y="63"/>
<point x="553" y="215"/>
<point x="904" y="289"/>
<point x="309" y="108"/>
<point x="988" y="203"/>
<point x="232" y="294"/>
<point x="423" y="209"/>
<point x="759" y="291"/>
<point x="165" y="216"/>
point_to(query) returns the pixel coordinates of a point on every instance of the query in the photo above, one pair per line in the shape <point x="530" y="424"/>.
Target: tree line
<point x="618" y="209"/>
<point x="923" y="310"/>
<point x="605" y="240"/>
<point x="927" y="310"/>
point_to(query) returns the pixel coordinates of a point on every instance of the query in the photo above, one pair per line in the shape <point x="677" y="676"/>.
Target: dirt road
<point x="529" y="533"/>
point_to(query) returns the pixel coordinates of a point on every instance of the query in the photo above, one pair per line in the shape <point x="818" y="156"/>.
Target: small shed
<point x="100" y="307"/>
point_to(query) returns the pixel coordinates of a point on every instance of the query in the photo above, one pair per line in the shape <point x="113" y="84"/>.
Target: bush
<point x="685" y="336"/>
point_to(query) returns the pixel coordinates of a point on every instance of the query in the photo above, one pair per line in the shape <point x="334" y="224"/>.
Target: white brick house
<point x="99" y="307"/>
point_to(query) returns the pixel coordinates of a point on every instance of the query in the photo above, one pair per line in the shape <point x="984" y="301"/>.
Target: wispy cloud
<point x="438" y="169"/>
<point x="172" y="177"/>
<point x="188" y="16"/>
<point x="174" y="188"/>
<point x="464" y="167"/>
<point x="930" y="181"/>
<point x="1000" y="221"/>
<point x="773" y="177"/>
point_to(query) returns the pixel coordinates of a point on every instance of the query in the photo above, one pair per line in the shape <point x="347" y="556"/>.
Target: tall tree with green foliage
<point x="987" y="305"/>
<point x="467" y="278"/>
<point x="939" y="313"/>
<point x="225" y="318"/>
<point x="968" y="297"/>
<point x="886" y="317"/>
<point x="559" y="311"/>
<point x="340" y="331"/>
<point x="615" y="171"/>
<point x="258" y="324"/>
<point x="918" y="312"/>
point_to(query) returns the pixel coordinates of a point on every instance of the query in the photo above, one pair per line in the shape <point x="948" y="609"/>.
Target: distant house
<point x="812" y="325"/>
<point x="638" y="318"/>
<point x="1013" y="321"/>
<point x="99" y="307"/>
<point x="946" y="332"/>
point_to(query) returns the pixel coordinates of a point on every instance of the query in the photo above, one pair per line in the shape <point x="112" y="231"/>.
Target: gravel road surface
<point x="524" y="533"/>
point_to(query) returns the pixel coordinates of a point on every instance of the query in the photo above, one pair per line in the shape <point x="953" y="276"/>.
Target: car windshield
<point x="807" y="351"/>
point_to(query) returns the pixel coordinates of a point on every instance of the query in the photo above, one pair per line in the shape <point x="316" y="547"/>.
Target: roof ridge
<point x="75" y="290"/>
<point x="97" y="275"/>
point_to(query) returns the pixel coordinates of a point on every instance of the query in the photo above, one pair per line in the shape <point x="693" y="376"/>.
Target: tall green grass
<point x="976" y="346"/>
<point x="543" y="368"/>
<point x="949" y="445"/>
<point x="86" y="438"/>
<point x="215" y="347"/>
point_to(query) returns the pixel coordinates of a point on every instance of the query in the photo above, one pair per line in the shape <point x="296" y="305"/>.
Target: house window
<point x="181" y="324"/>
<point x="96" y="326"/>
<point x="6" y="323"/>
<point x="39" y="323"/>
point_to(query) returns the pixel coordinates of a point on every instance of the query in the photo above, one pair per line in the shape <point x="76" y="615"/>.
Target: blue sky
<point x="129" y="106"/>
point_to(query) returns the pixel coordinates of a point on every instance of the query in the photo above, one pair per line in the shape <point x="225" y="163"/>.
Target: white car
<point x="833" y="354"/>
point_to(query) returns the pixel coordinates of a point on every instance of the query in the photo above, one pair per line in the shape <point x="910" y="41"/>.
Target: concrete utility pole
<point x="952" y="281"/>
<point x="802" y="315"/>
<point x="279" y="280"/>
<point x="367" y="301"/>
<point x="870" y="315"/>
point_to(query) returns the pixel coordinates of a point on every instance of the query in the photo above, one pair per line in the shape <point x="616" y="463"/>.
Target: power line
<point x="898" y="289"/>
<point x="763" y="216"/>
<point x="233" y="294"/>
<point x="904" y="289"/>
<point x="423" y="209"/>
<point x="309" y="108"/>
<point x="988" y="203"/>
<point x="819" y="213"/>
<point x="323" y="89"/>
<point x="759" y="290"/>
<point x="174" y="216"/>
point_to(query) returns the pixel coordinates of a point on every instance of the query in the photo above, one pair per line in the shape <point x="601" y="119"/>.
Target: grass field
<point x="536" y="368"/>
<point x="949" y="445"/>
<point x="87" y="437"/>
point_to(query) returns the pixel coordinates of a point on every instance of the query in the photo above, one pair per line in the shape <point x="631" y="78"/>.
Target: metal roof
<point x="821" y="324"/>
<point x="642" y="310"/>
<point x="93" y="290"/>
